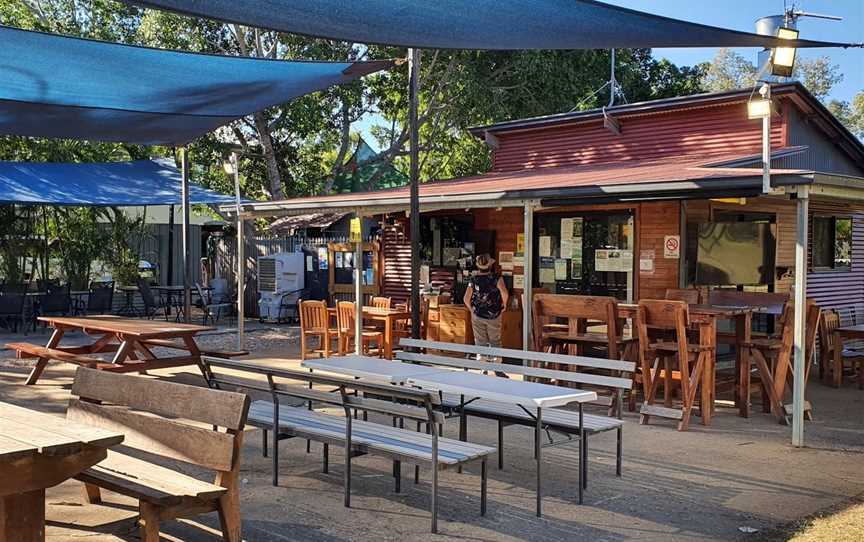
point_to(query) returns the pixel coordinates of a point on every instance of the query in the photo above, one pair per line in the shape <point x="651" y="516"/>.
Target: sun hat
<point x="484" y="262"/>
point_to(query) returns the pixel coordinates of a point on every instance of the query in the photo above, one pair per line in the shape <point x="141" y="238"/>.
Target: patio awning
<point x="473" y="24"/>
<point x="287" y="225"/>
<point x="62" y="87"/>
<point x="116" y="184"/>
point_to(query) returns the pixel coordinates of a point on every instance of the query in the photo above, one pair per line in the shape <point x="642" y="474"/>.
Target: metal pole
<point x="241" y="259"/>
<point x="766" y="144"/>
<point x="187" y="240"/>
<point x="527" y="275"/>
<point x="800" y="318"/>
<point x="358" y="289"/>
<point x="414" y="77"/>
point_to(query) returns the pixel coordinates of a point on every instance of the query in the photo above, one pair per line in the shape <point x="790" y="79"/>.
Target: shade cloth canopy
<point x="120" y="184"/>
<point x="473" y="24"/>
<point x="63" y="87"/>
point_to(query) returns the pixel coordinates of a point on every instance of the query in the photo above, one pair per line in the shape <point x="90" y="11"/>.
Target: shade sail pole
<point x="413" y="103"/>
<point x="187" y="236"/>
<point x="358" y="289"/>
<point x="241" y="259"/>
<point x="799" y="347"/>
<point x="527" y="275"/>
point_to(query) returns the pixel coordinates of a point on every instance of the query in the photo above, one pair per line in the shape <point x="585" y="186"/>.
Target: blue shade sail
<point x="473" y="24"/>
<point x="116" y="184"/>
<point x="62" y="87"/>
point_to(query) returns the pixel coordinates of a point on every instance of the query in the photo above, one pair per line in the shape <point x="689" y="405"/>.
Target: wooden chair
<point x="580" y="312"/>
<point x="688" y="295"/>
<point x="152" y="415"/>
<point x="827" y="369"/>
<point x="381" y="302"/>
<point x="315" y="322"/>
<point x="346" y="324"/>
<point x="773" y="358"/>
<point x="682" y="363"/>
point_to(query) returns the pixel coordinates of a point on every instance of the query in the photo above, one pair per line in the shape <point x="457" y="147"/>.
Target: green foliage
<point x="850" y="114"/>
<point x="121" y="257"/>
<point x="78" y="239"/>
<point x="728" y="71"/>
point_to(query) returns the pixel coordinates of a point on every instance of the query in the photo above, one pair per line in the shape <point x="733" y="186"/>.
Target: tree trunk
<point x="266" y="140"/>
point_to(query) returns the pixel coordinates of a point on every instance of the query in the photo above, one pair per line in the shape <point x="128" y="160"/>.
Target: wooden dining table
<point x="705" y="318"/>
<point x="38" y="451"/>
<point x="131" y="341"/>
<point x="389" y="317"/>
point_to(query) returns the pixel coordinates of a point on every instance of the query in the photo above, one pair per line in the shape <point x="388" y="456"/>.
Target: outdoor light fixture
<point x="759" y="108"/>
<point x="783" y="58"/>
<point x="228" y="166"/>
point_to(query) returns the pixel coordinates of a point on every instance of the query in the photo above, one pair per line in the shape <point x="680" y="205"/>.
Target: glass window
<point x="832" y="242"/>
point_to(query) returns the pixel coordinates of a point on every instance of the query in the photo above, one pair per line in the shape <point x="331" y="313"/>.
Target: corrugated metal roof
<point x="288" y="224"/>
<point x="630" y="176"/>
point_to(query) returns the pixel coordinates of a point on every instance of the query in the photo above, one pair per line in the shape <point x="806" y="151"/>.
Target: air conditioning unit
<point x="280" y="279"/>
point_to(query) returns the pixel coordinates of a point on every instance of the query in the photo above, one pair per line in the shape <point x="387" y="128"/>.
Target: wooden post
<point x="528" y="275"/>
<point x="414" y="139"/>
<point x="187" y="237"/>
<point x="800" y="333"/>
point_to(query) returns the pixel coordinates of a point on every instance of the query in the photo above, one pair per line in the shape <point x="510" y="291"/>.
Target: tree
<point x="818" y="75"/>
<point x="728" y="71"/>
<point x="850" y="114"/>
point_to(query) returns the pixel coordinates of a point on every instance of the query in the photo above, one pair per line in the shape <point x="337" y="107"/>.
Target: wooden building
<point x="638" y="183"/>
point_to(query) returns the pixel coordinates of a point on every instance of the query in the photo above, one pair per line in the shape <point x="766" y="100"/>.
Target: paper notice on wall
<point x="505" y="260"/>
<point x="576" y="269"/>
<point x="519" y="282"/>
<point x="672" y="246"/>
<point x="566" y="248"/>
<point x="566" y="229"/>
<point x="518" y="261"/>
<point x="547" y="270"/>
<point x="323" y="262"/>
<point x="545" y="246"/>
<point x="576" y="249"/>
<point x="520" y="243"/>
<point x="577" y="227"/>
<point x="620" y="261"/>
<point x="646" y="262"/>
<point x="309" y="263"/>
<point x="560" y="269"/>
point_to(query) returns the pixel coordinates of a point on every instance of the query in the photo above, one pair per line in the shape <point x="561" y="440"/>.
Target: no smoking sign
<point x="672" y="246"/>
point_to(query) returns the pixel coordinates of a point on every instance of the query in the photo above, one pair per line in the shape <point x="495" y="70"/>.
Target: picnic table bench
<point x="358" y="437"/>
<point x="38" y="451"/>
<point x="130" y="340"/>
<point x="159" y="418"/>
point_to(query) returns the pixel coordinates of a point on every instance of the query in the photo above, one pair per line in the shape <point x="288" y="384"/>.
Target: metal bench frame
<point x="464" y="409"/>
<point x="354" y="396"/>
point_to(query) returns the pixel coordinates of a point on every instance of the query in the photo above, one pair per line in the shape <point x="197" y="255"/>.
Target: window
<point x="832" y="242"/>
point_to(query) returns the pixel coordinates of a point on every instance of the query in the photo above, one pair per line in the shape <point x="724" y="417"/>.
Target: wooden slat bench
<point x="358" y="437"/>
<point x="159" y="418"/>
<point x="555" y="419"/>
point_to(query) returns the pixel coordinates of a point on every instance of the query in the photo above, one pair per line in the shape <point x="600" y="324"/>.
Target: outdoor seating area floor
<point x="703" y="484"/>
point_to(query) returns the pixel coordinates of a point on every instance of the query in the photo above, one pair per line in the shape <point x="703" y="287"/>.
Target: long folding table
<point x="529" y="396"/>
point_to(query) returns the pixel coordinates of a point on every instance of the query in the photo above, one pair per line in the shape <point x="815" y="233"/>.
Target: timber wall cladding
<point x="710" y="131"/>
<point x="654" y="222"/>
<point x="838" y="288"/>
<point x="506" y="222"/>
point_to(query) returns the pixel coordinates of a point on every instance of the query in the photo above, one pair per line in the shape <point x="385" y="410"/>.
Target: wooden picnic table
<point x="705" y="317"/>
<point x="131" y="340"/>
<point x="38" y="451"/>
<point x="389" y="317"/>
<point x="840" y="334"/>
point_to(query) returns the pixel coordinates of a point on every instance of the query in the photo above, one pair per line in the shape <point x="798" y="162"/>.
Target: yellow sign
<point x="355" y="235"/>
<point x="520" y="243"/>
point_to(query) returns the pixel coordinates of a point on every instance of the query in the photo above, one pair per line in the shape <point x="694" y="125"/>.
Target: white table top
<point x="502" y="390"/>
<point x="374" y="369"/>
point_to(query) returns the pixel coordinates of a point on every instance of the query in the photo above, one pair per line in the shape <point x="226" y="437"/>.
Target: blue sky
<point x="742" y="15"/>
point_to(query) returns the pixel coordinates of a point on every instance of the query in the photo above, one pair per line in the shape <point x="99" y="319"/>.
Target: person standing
<point x="486" y="297"/>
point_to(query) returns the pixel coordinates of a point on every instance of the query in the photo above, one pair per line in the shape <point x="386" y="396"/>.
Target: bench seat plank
<point x="29" y="350"/>
<point x="366" y="436"/>
<point x="147" y="481"/>
<point x="555" y="417"/>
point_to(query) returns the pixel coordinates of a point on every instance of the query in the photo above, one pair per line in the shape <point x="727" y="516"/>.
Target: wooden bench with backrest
<point x="169" y="420"/>
<point x="358" y="437"/>
<point x="555" y="419"/>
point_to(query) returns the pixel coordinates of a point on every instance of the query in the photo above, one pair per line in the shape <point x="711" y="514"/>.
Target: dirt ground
<point x="710" y="483"/>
